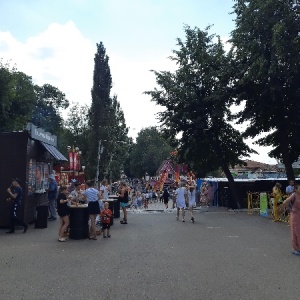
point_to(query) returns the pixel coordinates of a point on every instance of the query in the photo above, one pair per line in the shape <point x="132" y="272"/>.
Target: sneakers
<point x="51" y="219"/>
<point x="193" y="220"/>
<point x="123" y="222"/>
<point x="183" y="220"/>
<point x="62" y="239"/>
<point x="104" y="236"/>
<point x="108" y="235"/>
<point x="296" y="252"/>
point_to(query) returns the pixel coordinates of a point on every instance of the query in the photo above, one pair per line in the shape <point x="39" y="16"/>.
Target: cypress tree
<point x="100" y="108"/>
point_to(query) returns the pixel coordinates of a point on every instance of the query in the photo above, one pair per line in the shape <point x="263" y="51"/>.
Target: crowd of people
<point x="131" y="195"/>
<point x="135" y="195"/>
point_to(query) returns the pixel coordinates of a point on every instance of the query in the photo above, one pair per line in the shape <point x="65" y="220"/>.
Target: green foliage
<point x="47" y="111"/>
<point x="106" y="123"/>
<point x="17" y="99"/>
<point x="195" y="98"/>
<point x="149" y="151"/>
<point x="98" y="114"/>
<point x="266" y="53"/>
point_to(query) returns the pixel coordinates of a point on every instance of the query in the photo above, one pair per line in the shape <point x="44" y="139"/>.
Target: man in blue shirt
<point x="290" y="189"/>
<point x="52" y="191"/>
<point x="16" y="194"/>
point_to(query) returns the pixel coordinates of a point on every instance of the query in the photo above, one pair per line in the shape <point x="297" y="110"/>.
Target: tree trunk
<point x="233" y="202"/>
<point x="284" y="144"/>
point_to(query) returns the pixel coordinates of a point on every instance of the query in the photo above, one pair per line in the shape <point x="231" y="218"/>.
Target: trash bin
<point x="111" y="207"/>
<point x="41" y="220"/>
<point x="116" y="209"/>
<point x="115" y="205"/>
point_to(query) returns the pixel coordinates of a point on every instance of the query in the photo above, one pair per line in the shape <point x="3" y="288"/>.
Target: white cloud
<point x="60" y="56"/>
<point x="63" y="57"/>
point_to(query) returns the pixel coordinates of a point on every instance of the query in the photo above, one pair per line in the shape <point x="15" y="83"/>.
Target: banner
<point x="78" y="162"/>
<point x="74" y="161"/>
<point x="263" y="204"/>
<point x="71" y="161"/>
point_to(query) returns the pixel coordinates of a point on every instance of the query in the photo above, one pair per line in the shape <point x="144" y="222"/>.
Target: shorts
<point x="94" y="208"/>
<point x="123" y="204"/>
<point x="105" y="226"/>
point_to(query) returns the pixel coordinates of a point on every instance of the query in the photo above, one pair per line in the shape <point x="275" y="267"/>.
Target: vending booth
<point x="28" y="155"/>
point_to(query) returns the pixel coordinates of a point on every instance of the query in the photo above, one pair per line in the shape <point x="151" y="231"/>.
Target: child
<point x="106" y="214"/>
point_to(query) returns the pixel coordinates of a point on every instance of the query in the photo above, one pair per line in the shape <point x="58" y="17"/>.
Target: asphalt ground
<point x="223" y="255"/>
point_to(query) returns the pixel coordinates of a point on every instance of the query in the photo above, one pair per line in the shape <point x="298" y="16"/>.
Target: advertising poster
<point x="263" y="198"/>
<point x="46" y="176"/>
<point x="31" y="176"/>
<point x="39" y="177"/>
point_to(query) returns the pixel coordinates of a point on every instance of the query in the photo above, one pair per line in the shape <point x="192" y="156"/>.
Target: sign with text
<point x="41" y="135"/>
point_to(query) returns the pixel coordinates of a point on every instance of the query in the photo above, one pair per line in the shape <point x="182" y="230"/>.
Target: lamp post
<point x="83" y="168"/>
<point x="61" y="178"/>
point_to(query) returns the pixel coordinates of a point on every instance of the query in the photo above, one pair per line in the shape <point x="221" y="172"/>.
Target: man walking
<point x="52" y="191"/>
<point x="16" y="193"/>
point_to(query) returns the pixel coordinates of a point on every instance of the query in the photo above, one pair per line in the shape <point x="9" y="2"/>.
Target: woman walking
<point x="123" y="198"/>
<point x="63" y="212"/>
<point x="92" y="196"/>
<point x="166" y="196"/>
<point x="192" y="200"/>
<point x="294" y="202"/>
<point x="181" y="196"/>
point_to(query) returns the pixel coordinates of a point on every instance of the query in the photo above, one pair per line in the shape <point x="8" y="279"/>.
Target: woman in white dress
<point x="105" y="189"/>
<point x="181" y="195"/>
<point x="192" y="200"/>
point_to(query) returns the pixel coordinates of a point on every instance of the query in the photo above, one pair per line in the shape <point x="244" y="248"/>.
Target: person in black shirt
<point x="63" y="212"/>
<point x="16" y="193"/>
<point x="123" y="199"/>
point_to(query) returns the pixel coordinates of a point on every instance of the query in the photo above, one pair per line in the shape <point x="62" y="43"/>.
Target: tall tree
<point x="17" y="98"/>
<point x="101" y="103"/>
<point x="119" y="144"/>
<point x="149" y="151"/>
<point x="106" y="121"/>
<point x="47" y="114"/>
<point x="76" y="131"/>
<point x="266" y="52"/>
<point x="195" y="98"/>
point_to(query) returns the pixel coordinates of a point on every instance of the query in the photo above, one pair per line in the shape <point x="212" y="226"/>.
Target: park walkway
<point x="223" y="255"/>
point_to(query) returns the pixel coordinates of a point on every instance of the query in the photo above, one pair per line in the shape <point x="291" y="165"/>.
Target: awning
<point x="54" y="152"/>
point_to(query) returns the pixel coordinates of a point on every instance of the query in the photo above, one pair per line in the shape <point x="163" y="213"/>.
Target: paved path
<point x="224" y="255"/>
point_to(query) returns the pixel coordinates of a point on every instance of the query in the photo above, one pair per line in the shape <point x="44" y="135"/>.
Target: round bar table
<point x="79" y="222"/>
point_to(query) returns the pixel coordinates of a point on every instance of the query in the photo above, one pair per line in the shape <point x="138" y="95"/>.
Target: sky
<point x="54" y="41"/>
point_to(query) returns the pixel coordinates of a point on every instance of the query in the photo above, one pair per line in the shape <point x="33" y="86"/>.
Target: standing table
<point x="79" y="222"/>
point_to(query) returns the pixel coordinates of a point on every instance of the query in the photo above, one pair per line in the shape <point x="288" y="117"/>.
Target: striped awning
<point x="54" y="152"/>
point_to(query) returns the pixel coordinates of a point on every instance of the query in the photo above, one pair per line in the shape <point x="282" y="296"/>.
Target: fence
<point x="257" y="205"/>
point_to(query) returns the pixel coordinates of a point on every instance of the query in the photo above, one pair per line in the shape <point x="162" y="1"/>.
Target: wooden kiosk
<point x="29" y="156"/>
